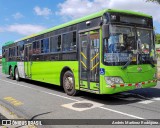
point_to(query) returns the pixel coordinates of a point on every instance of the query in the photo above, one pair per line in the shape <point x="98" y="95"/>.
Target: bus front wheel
<point x="17" y="74"/>
<point x="69" y="83"/>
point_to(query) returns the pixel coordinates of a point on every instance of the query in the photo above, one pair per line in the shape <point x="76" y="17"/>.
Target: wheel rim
<point x="68" y="83"/>
<point x="17" y="75"/>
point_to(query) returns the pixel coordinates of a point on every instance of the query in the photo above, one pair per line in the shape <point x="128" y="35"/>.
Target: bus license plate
<point x="139" y="85"/>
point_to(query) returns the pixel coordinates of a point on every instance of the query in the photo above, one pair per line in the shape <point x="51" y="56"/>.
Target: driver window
<point x="144" y="39"/>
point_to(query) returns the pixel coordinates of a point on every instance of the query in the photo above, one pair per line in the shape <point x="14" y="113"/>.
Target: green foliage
<point x="157" y="1"/>
<point x="157" y="38"/>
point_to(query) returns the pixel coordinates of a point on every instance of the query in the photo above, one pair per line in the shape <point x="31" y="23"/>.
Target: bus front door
<point x="28" y="63"/>
<point x="89" y="61"/>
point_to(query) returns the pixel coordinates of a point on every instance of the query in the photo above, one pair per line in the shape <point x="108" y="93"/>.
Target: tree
<point x="157" y="1"/>
<point x="157" y="38"/>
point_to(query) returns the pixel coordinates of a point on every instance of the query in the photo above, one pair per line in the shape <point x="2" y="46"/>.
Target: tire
<point x="69" y="83"/>
<point x="17" y="74"/>
<point x="11" y="74"/>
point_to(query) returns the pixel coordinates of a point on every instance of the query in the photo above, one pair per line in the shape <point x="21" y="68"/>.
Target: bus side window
<point x="38" y="51"/>
<point x="74" y="40"/>
<point x="12" y="53"/>
<point x="69" y="41"/>
<point x="36" y="47"/>
<point x="17" y="51"/>
<point x="22" y="53"/>
<point x="52" y="47"/>
<point x="7" y="54"/>
<point x="65" y="42"/>
<point x="59" y="43"/>
<point x="3" y="53"/>
<point x="42" y="49"/>
<point x="55" y="44"/>
<point x="45" y="45"/>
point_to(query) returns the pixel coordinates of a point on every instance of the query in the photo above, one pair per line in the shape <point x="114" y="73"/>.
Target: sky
<point x="20" y="18"/>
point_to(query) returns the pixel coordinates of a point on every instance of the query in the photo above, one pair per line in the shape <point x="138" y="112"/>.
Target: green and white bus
<point x="106" y="52"/>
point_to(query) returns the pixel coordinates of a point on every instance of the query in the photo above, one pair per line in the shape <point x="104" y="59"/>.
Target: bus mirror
<point x="105" y="31"/>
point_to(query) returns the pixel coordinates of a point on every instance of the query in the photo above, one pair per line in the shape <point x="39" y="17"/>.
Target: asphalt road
<point x="34" y="100"/>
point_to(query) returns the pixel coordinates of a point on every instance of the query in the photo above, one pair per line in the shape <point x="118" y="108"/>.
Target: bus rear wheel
<point x="69" y="83"/>
<point x="17" y="74"/>
<point x="11" y="74"/>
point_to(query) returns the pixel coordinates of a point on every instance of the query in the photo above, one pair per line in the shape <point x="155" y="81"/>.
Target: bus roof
<point x="8" y="43"/>
<point x="95" y="15"/>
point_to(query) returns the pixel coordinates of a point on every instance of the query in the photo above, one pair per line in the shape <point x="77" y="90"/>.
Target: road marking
<point x="156" y="99"/>
<point x="122" y="113"/>
<point x="13" y="101"/>
<point x="104" y="108"/>
<point x="41" y="91"/>
<point x="3" y="127"/>
<point x="149" y="101"/>
<point x="146" y="102"/>
<point x="58" y="95"/>
<point x="11" y="116"/>
<point x="131" y="97"/>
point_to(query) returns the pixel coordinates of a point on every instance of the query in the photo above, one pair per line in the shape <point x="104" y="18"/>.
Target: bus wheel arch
<point x="9" y="69"/>
<point x="65" y="69"/>
<point x="68" y="81"/>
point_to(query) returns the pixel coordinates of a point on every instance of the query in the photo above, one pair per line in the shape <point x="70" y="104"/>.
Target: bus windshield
<point x="128" y="44"/>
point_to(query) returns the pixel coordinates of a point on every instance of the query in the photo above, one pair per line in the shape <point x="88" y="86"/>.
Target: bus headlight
<point x="113" y="80"/>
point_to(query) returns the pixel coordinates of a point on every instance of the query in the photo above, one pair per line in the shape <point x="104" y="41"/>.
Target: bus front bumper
<point x="116" y="88"/>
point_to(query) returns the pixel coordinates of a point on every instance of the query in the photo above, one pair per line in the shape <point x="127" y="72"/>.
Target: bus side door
<point x="28" y="62"/>
<point x="89" y="60"/>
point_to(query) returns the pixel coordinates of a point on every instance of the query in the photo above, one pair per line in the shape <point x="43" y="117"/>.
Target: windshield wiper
<point x="128" y="62"/>
<point x="150" y="60"/>
<point x="126" y="65"/>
